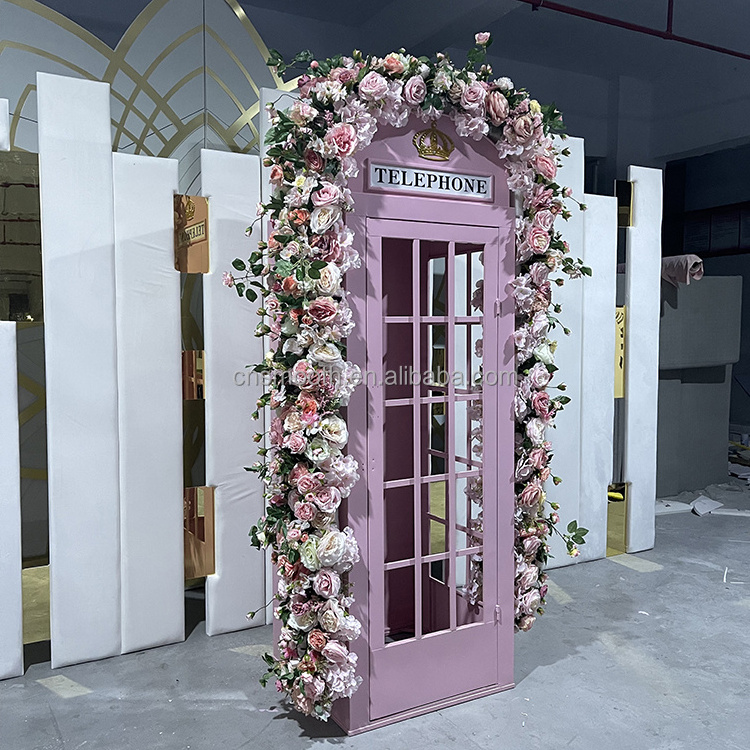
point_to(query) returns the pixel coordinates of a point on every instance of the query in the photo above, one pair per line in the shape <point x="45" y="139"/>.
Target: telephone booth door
<point x="440" y="620"/>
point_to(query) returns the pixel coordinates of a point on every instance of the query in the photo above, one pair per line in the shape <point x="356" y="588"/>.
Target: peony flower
<point x="331" y="548"/>
<point x="331" y="616"/>
<point x="304" y="511"/>
<point x="323" y="218"/>
<point x="415" y="90"/>
<point x="326" y="583"/>
<point x="325" y="353"/>
<point x="318" y="450"/>
<point x="342" y="138"/>
<point x="373" y="87"/>
<point x="317" y="639"/>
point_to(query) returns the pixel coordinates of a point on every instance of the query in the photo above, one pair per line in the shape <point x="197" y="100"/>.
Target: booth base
<point x="421" y="710"/>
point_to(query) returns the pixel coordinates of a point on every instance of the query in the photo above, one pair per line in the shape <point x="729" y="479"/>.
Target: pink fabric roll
<point x="680" y="269"/>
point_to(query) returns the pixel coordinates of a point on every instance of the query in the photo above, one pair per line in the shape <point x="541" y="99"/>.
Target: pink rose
<point x="276" y="176"/>
<point x="327" y="195"/>
<point x="497" y="107"/>
<point x="277" y="431"/>
<point x="530" y="495"/>
<point x="540" y="402"/>
<point x="531" y="544"/>
<point x="343" y="137"/>
<point x="539" y="273"/>
<point x="327" y="584"/>
<point x="539" y="376"/>
<point x="336" y="652"/>
<point x="415" y="90"/>
<point x="538" y="239"/>
<point x="545" y="219"/>
<point x="314" y="686"/>
<point x="538" y="458"/>
<point x="323" y="310"/>
<point x="373" y="87"/>
<point x="308" y="483"/>
<point x="327" y="499"/>
<point x="343" y="75"/>
<point x="524" y="129"/>
<point x="528" y="577"/>
<point x="300" y="113"/>
<point x="473" y="96"/>
<point x="305" y="511"/>
<point x="525" y="622"/>
<point x="524" y="470"/>
<point x="393" y="65"/>
<point x="314" y="161"/>
<point x="303" y="374"/>
<point x="298" y="471"/>
<point x="545" y="474"/>
<point x="530" y="601"/>
<point x="289" y="286"/>
<point x="308" y="408"/>
<point x="482" y="38"/>
<point x="545" y="166"/>
<point x="295" y="442"/>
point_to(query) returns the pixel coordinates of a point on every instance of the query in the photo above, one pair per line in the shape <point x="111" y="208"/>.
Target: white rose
<point x="302" y="622"/>
<point x="330" y="278"/>
<point x="318" y="450"/>
<point x="543" y="353"/>
<point x="334" y="430"/>
<point x="323" y="218"/>
<point x="308" y="553"/>
<point x="293" y="422"/>
<point x="331" y="548"/>
<point x="535" y="431"/>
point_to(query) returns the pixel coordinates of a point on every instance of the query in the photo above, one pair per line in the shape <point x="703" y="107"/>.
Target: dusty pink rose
<point x="295" y="442"/>
<point x="336" y="652"/>
<point x="393" y="65"/>
<point x="538" y="239"/>
<point x="289" y="286"/>
<point x="327" y="195"/>
<point x="343" y="75"/>
<point x="538" y="458"/>
<point x="497" y="107"/>
<point x="539" y="273"/>
<point x="530" y="601"/>
<point x="314" y="161"/>
<point x="317" y="639"/>
<point x="327" y="583"/>
<point x="545" y="473"/>
<point x="298" y="471"/>
<point x="323" y="310"/>
<point x="545" y="166"/>
<point x="308" y="408"/>
<point x="305" y="511"/>
<point x="523" y="127"/>
<point x="300" y="113"/>
<point x="473" y="96"/>
<point x="314" y="686"/>
<point x="301" y="702"/>
<point x="343" y="137"/>
<point x="303" y="374"/>
<point x="415" y="90"/>
<point x="530" y="495"/>
<point x="531" y="544"/>
<point x="482" y="37"/>
<point x="277" y="431"/>
<point x="540" y="402"/>
<point x="327" y="499"/>
<point x="373" y="87"/>
<point x="524" y="470"/>
<point x="310" y="482"/>
<point x="544" y="219"/>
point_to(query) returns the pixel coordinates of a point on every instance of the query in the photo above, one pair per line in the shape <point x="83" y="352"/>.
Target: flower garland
<point x="299" y="271"/>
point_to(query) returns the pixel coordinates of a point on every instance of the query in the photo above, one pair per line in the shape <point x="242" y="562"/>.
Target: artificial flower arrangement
<point x="312" y="148"/>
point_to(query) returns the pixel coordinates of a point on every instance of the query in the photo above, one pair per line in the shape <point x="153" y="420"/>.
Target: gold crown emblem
<point x="189" y="209"/>
<point x="433" y="144"/>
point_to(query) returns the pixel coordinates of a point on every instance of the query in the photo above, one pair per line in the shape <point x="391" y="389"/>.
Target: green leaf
<point x="239" y="264"/>
<point x="251" y="294"/>
<point x="572" y="526"/>
<point x="314" y="273"/>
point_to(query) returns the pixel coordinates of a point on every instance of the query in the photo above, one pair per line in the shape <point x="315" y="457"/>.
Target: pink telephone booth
<point x="434" y="224"/>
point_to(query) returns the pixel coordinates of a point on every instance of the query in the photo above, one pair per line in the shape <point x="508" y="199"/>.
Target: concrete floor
<point x="640" y="652"/>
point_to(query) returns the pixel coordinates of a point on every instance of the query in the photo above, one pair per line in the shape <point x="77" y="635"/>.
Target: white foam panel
<point x="232" y="184"/>
<point x="149" y="402"/>
<point x="4" y="125"/>
<point x="75" y="162"/>
<point x="597" y="371"/>
<point x="11" y="619"/>
<point x="642" y="297"/>
<point x="566" y="438"/>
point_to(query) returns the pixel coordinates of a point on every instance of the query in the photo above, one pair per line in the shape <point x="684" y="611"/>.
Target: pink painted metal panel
<point x="428" y="669"/>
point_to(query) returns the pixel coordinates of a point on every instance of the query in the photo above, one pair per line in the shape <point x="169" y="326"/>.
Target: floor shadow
<point x="37" y="653"/>
<point x="195" y="608"/>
